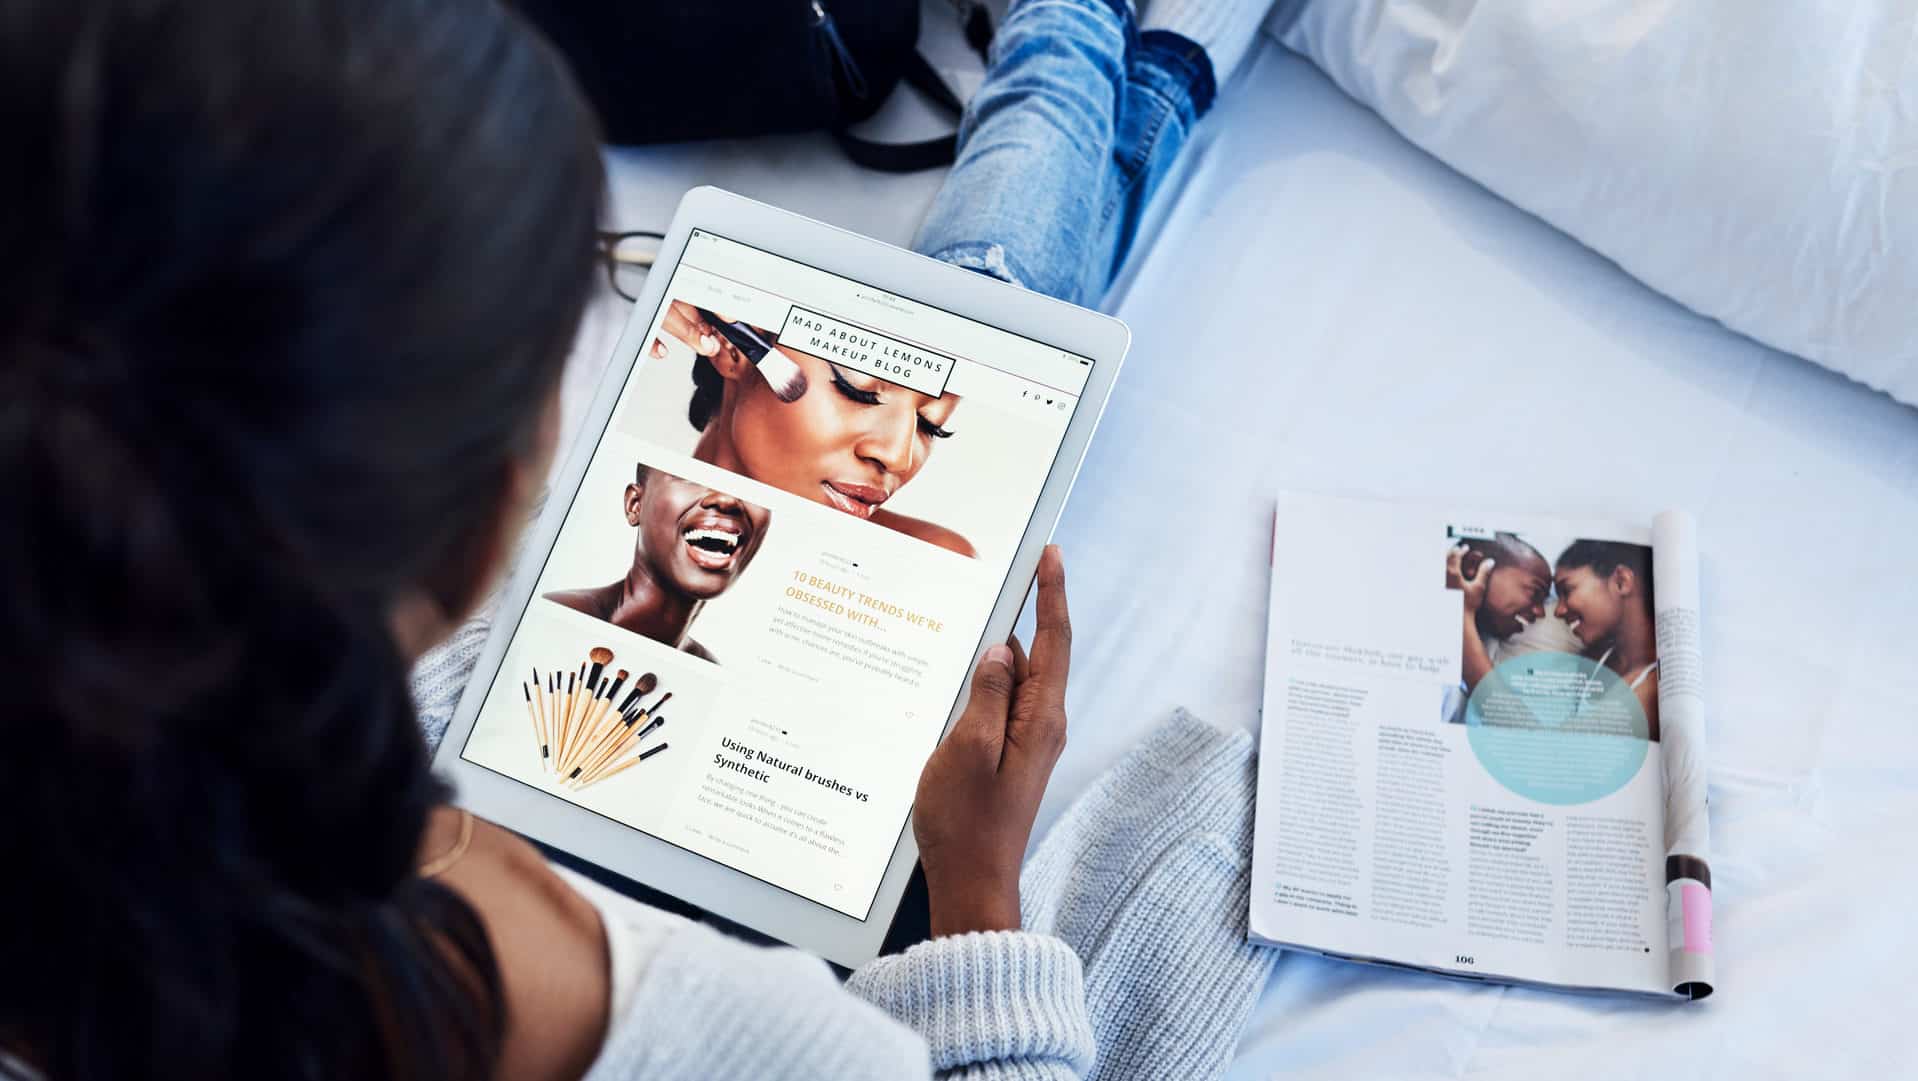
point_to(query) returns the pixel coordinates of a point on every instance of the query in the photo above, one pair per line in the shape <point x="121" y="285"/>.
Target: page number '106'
<point x="1465" y="959"/>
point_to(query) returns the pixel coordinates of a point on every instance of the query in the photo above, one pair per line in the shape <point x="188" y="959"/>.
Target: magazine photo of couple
<point x="1593" y="600"/>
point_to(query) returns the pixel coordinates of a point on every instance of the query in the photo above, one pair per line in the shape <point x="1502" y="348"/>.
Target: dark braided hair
<point x="284" y="285"/>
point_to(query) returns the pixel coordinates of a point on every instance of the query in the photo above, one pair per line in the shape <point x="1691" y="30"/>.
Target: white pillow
<point x="1756" y="160"/>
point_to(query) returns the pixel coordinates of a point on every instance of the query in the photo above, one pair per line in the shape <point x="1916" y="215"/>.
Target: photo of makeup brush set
<point x="583" y="737"/>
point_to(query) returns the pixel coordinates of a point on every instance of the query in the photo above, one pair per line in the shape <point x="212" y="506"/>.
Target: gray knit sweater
<point x="1133" y="963"/>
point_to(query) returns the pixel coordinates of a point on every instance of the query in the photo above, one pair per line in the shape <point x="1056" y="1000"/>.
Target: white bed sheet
<point x="1324" y="307"/>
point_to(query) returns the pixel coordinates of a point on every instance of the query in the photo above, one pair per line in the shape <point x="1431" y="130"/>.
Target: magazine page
<point x="1460" y="765"/>
<point x="1688" y="875"/>
<point x="774" y="577"/>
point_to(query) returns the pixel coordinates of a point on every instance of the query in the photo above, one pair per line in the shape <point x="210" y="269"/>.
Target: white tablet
<point x="813" y="487"/>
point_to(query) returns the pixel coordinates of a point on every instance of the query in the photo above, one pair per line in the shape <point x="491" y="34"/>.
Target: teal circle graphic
<point x="1557" y="728"/>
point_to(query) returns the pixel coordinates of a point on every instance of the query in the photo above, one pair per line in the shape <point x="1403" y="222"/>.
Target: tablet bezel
<point x="701" y="880"/>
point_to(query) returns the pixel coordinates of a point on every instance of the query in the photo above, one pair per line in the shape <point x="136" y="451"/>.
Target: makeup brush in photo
<point x="633" y="735"/>
<point x="596" y="699"/>
<point x="623" y="739"/>
<point x="615" y="761"/>
<point x="642" y="687"/>
<point x="605" y="733"/>
<point x="590" y="731"/>
<point x="600" y="657"/>
<point x="566" y="710"/>
<point x="539" y="718"/>
<point x="552" y="714"/>
<point x="624" y="766"/>
<point x="547" y="715"/>
<point x="575" y="732"/>
<point x="597" y="757"/>
<point x="583" y="699"/>
<point x="532" y="715"/>
<point x="536" y="705"/>
<point x="781" y="374"/>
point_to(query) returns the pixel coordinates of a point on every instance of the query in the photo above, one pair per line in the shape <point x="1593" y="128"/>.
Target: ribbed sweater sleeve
<point x="718" y="1009"/>
<point x="1134" y="964"/>
<point x="1000" y="1004"/>
<point x="993" y="1006"/>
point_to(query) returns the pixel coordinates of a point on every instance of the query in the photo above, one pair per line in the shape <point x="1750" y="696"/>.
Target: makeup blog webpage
<point x="772" y="581"/>
<point x="1482" y="748"/>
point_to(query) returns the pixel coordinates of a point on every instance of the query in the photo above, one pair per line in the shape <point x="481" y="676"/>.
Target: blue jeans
<point x="1080" y="119"/>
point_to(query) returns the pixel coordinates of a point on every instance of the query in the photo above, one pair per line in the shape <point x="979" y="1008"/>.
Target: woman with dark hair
<point x="287" y="290"/>
<point x="273" y="405"/>
<point x="1605" y="598"/>
<point x="850" y="441"/>
<point x="690" y="544"/>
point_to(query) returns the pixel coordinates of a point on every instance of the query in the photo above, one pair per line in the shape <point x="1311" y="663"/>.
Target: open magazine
<point x="1483" y="747"/>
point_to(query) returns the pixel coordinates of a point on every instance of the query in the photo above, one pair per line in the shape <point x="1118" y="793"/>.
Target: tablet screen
<point x="772" y="579"/>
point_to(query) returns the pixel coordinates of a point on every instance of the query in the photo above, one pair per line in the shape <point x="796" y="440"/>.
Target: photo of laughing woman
<point x="1604" y="593"/>
<point x="821" y="431"/>
<point x="693" y="542"/>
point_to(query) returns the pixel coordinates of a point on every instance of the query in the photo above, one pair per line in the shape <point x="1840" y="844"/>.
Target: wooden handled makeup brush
<point x="642" y="687"/>
<point x="589" y="729"/>
<point x="588" y="698"/>
<point x="539" y="719"/>
<point x="629" y="764"/>
<point x="595" y="700"/>
<point x="631" y="744"/>
<point x="532" y="714"/>
<point x="565" y="704"/>
<point x="584" y="694"/>
<point x="631" y="740"/>
<point x="622" y="739"/>
<point x="552" y="715"/>
<point x="546" y="718"/>
<point x="598" y="755"/>
<point x="600" y="658"/>
<point x="597" y="739"/>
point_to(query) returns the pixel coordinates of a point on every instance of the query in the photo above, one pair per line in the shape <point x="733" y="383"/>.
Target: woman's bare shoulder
<point x="579" y="600"/>
<point x="1647" y="692"/>
<point x="548" y="941"/>
<point x="931" y="532"/>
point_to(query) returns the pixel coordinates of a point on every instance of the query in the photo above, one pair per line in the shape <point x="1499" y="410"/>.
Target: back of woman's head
<point x="284" y="286"/>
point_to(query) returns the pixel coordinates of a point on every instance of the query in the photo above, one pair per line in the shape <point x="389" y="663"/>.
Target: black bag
<point x="669" y="70"/>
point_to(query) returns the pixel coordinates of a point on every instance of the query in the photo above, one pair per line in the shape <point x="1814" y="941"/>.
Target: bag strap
<point x="921" y="76"/>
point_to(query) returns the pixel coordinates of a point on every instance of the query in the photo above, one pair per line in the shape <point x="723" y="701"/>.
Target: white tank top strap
<point x="1642" y="673"/>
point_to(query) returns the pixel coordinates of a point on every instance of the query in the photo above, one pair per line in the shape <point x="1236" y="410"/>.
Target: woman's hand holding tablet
<point x="981" y="789"/>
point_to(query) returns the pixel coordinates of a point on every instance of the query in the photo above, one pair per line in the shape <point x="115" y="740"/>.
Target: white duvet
<point x="1756" y="160"/>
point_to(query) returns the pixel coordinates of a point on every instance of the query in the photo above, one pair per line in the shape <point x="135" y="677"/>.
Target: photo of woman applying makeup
<point x="822" y="431"/>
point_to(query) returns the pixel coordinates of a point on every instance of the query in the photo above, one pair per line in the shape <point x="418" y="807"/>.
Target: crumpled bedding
<point x="1756" y="160"/>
